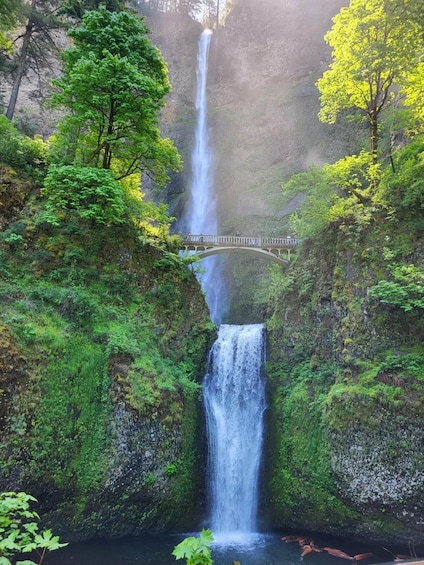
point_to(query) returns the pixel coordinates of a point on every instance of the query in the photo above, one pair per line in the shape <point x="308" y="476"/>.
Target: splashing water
<point x="234" y="397"/>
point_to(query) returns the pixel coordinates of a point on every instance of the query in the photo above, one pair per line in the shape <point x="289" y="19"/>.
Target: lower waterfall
<point x="234" y="398"/>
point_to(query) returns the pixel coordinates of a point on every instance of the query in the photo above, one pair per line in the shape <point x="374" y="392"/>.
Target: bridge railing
<point x="240" y="241"/>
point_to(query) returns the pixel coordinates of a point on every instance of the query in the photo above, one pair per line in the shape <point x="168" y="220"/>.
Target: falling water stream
<point x="234" y="398"/>
<point x="200" y="215"/>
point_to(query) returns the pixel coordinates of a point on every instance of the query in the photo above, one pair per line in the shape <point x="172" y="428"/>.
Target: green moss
<point x="301" y="484"/>
<point x="93" y="320"/>
<point x="71" y="423"/>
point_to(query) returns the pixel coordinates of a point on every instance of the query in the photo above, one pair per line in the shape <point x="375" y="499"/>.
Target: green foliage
<point x="412" y="89"/>
<point x="113" y="121"/>
<point x="19" y="530"/>
<point x="71" y="423"/>
<point x="11" y="13"/>
<point x="354" y="174"/>
<point x="375" y="45"/>
<point x="301" y="481"/>
<point x="196" y="550"/>
<point x="333" y="193"/>
<point x="77" y="8"/>
<point x="313" y="213"/>
<point x="402" y="190"/>
<point x="91" y="194"/>
<point x="406" y="290"/>
<point x="22" y="153"/>
<point x="404" y="365"/>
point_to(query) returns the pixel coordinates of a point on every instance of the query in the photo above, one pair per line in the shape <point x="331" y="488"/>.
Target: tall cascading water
<point x="234" y="398"/>
<point x="200" y="216"/>
<point x="234" y="393"/>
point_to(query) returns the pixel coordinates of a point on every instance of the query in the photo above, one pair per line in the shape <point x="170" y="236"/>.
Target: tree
<point x="114" y="84"/>
<point x="375" y="46"/>
<point x="35" y="44"/>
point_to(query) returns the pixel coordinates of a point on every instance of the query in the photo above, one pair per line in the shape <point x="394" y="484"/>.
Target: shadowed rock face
<point x="263" y="103"/>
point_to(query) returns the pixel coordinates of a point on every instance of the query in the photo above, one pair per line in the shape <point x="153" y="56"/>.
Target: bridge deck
<point x="240" y="241"/>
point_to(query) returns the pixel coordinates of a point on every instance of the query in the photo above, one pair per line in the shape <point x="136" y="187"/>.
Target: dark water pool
<point x="258" y="549"/>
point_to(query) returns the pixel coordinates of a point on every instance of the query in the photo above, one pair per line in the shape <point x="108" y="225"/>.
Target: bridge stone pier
<point x="277" y="249"/>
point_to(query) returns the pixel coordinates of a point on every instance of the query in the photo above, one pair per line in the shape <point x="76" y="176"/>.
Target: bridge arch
<point x="251" y="250"/>
<point x="276" y="249"/>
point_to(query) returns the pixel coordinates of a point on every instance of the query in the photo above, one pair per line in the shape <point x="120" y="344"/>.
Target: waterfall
<point x="200" y="215"/>
<point x="201" y="210"/>
<point x="234" y="395"/>
<point x="234" y="398"/>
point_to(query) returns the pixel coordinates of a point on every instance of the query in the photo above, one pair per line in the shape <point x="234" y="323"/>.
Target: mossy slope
<point x="346" y="370"/>
<point x="103" y="341"/>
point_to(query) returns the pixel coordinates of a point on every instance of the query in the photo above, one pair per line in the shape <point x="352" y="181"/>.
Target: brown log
<point x="338" y="553"/>
<point x="361" y="556"/>
<point x="306" y="550"/>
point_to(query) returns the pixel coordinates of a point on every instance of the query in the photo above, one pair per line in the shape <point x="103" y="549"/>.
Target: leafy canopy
<point x="375" y="46"/>
<point x="114" y="84"/>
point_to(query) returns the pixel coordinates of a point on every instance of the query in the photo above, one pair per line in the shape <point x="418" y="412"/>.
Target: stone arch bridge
<point x="277" y="249"/>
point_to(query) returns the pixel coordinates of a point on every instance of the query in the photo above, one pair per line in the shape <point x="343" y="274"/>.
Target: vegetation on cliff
<point x="345" y="322"/>
<point x="104" y="330"/>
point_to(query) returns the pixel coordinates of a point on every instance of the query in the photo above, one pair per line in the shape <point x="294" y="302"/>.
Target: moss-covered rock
<point x="104" y="339"/>
<point x="346" y="374"/>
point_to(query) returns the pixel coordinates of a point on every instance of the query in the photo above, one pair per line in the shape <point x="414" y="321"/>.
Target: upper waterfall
<point x="201" y="209"/>
<point x="200" y="215"/>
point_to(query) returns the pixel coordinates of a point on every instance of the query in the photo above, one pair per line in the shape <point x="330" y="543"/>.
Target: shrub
<point x="87" y="193"/>
<point x="24" y="154"/>
<point x="405" y="291"/>
<point x="19" y="530"/>
<point x="195" y="550"/>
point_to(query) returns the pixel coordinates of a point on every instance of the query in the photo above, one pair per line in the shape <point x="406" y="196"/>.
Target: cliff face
<point x="346" y="374"/>
<point x="263" y="102"/>
<point x="262" y="108"/>
<point x="103" y="343"/>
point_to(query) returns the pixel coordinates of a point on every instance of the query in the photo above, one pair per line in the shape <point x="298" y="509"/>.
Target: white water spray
<point x="201" y="215"/>
<point x="234" y="397"/>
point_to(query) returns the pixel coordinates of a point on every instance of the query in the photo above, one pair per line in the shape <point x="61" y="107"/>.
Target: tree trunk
<point x="20" y="70"/>
<point x="374" y="138"/>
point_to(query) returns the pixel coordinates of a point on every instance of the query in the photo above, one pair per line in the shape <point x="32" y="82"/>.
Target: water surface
<point x="253" y="549"/>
